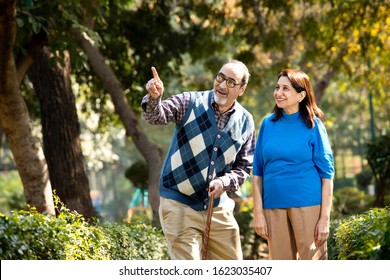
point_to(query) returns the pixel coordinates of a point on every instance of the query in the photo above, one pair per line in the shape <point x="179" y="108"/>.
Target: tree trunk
<point x="321" y="84"/>
<point x="1" y="138"/>
<point x="380" y="191"/>
<point x="151" y="152"/>
<point x="15" y="121"/>
<point x="61" y="132"/>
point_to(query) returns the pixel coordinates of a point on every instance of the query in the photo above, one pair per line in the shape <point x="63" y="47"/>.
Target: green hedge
<point x="29" y="235"/>
<point x="135" y="242"/>
<point x="361" y="237"/>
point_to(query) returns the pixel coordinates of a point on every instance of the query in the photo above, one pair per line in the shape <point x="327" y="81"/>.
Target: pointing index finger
<point x="155" y="74"/>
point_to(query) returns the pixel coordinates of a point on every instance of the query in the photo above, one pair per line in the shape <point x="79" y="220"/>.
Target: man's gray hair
<point x="245" y="77"/>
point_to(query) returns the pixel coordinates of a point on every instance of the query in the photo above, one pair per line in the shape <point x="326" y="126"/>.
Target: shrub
<point x="29" y="235"/>
<point x="333" y="249"/>
<point x="350" y="200"/>
<point x="362" y="237"/>
<point x="135" y="242"/>
<point x="11" y="192"/>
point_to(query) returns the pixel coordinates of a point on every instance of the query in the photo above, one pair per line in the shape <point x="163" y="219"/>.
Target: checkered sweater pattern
<point x="200" y="152"/>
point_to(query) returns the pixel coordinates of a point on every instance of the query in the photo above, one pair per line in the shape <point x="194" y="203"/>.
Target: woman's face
<point x="286" y="96"/>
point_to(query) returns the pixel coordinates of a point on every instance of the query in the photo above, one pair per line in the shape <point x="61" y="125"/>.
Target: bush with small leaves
<point x="29" y="235"/>
<point x="362" y="237"/>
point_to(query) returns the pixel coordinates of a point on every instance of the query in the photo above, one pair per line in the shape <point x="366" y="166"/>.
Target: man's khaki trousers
<point x="183" y="228"/>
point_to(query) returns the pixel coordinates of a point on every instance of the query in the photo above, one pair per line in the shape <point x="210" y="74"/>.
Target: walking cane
<point x="207" y="229"/>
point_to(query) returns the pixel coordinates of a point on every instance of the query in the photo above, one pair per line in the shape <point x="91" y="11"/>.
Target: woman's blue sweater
<point x="292" y="159"/>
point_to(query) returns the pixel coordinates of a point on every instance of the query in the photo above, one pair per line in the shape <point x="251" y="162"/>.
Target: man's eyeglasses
<point x="231" y="83"/>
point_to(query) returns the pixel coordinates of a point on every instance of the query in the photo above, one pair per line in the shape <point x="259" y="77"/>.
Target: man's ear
<point x="242" y="90"/>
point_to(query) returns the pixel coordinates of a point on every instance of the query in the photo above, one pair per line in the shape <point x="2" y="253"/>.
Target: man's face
<point x="224" y="95"/>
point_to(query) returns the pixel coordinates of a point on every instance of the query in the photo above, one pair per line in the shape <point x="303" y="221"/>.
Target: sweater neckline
<point x="291" y="117"/>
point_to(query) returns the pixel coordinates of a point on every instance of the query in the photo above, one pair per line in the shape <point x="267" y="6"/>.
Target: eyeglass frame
<point x="228" y="80"/>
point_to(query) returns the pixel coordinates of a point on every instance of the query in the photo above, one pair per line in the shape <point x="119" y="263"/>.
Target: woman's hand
<point x="260" y="224"/>
<point x="321" y="232"/>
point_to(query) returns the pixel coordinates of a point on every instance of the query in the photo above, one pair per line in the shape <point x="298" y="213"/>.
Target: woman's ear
<point x="303" y="95"/>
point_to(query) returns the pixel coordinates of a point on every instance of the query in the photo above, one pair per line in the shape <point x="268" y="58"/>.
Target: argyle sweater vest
<point x="200" y="152"/>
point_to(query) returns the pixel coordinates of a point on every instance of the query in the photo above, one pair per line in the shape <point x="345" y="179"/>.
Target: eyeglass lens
<point x="229" y="81"/>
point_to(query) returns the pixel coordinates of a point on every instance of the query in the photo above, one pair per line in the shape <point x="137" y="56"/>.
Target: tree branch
<point x="23" y="63"/>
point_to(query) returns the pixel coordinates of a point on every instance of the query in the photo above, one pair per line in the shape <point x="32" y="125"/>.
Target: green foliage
<point x="135" y="242"/>
<point x="364" y="178"/>
<point x="343" y="182"/>
<point x="333" y="250"/>
<point x="250" y="241"/>
<point x="29" y="235"/>
<point x="348" y="201"/>
<point x="11" y="192"/>
<point x="378" y="156"/>
<point x="138" y="174"/>
<point x="362" y="237"/>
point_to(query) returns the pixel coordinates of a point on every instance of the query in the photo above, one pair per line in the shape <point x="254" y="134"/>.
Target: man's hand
<point x="155" y="86"/>
<point x="216" y="188"/>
